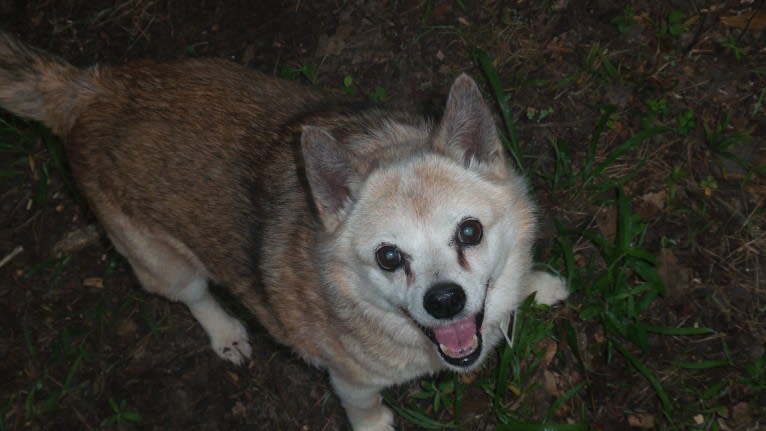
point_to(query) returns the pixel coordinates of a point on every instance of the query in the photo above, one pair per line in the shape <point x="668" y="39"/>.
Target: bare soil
<point x="77" y="331"/>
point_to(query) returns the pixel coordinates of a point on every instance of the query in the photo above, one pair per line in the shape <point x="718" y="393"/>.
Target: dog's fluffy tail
<point x="37" y="85"/>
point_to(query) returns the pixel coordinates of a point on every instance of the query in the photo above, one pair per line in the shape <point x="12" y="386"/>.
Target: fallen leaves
<point x="641" y="420"/>
<point x="93" y="282"/>
<point x="75" y="240"/>
<point x="675" y="277"/>
<point x="754" y="20"/>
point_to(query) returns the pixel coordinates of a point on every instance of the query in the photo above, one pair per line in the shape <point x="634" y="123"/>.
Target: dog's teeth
<point x="457" y="354"/>
<point x="448" y="351"/>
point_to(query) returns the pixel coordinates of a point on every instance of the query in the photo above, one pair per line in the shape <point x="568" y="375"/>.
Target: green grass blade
<point x="566" y="396"/>
<point x="640" y="253"/>
<point x="10" y="173"/>
<point x="702" y="365"/>
<point x="416" y="417"/>
<point x="571" y="337"/>
<point x="501" y="375"/>
<point x="648" y="273"/>
<point x="667" y="405"/>
<point x="715" y="391"/>
<point x="667" y="330"/>
<point x="457" y="405"/>
<point x="490" y="73"/>
<point x="626" y="146"/>
<point x="626" y="229"/>
<point x="602" y="245"/>
<point x="567" y="251"/>
<point x="609" y="68"/>
<point x="590" y="158"/>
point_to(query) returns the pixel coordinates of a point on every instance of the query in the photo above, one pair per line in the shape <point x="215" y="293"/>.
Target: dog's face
<point x="440" y="244"/>
<point x="441" y="238"/>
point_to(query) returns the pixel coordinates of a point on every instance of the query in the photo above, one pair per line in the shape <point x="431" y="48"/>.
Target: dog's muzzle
<point x="459" y="341"/>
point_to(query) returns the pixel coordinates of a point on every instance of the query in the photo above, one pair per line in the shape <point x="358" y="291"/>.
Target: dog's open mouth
<point x="459" y="342"/>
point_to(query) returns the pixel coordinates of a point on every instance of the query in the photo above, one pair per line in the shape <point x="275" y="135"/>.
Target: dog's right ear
<point x="467" y="132"/>
<point x="332" y="178"/>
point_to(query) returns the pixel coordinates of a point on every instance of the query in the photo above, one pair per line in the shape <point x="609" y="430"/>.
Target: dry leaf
<point x="606" y="220"/>
<point x="551" y="347"/>
<point x="95" y="282"/>
<point x="755" y="20"/>
<point x="76" y="240"/>
<point x="551" y="383"/>
<point x="657" y="199"/>
<point x="599" y="336"/>
<point x="741" y="414"/>
<point x="468" y="378"/>
<point x="239" y="409"/>
<point x="674" y="276"/>
<point x="126" y="327"/>
<point x="641" y="420"/>
<point x="723" y="426"/>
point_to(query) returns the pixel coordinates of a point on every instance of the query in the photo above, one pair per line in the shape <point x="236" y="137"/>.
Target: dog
<point x="380" y="246"/>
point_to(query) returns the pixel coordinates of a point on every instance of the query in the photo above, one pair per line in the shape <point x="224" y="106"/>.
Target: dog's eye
<point x="469" y="232"/>
<point x="389" y="257"/>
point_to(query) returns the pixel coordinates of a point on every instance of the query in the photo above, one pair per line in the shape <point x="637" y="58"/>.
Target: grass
<point x="122" y="415"/>
<point x="18" y="140"/>
<point x="63" y="368"/>
<point x="54" y="366"/>
<point x="616" y="281"/>
<point x="44" y="397"/>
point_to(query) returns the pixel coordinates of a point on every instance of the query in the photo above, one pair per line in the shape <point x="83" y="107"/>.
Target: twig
<point x="11" y="255"/>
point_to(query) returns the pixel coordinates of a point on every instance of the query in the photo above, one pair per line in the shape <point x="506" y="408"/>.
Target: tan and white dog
<point x="377" y="245"/>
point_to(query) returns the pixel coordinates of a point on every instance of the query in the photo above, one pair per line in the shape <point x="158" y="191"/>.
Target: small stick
<point x="11" y="255"/>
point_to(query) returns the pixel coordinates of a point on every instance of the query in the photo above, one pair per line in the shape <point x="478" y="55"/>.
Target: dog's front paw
<point x="363" y="404"/>
<point x="379" y="419"/>
<point x="231" y="343"/>
<point x="549" y="288"/>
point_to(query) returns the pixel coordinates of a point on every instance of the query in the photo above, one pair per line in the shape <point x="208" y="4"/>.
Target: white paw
<point x="379" y="419"/>
<point x="550" y="288"/>
<point x="230" y="342"/>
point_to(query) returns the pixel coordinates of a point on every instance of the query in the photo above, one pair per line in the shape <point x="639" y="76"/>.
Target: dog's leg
<point x="549" y="288"/>
<point x="166" y="267"/>
<point x="363" y="404"/>
<point x="228" y="336"/>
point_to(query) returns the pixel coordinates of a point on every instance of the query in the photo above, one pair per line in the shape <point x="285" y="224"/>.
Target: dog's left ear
<point x="330" y="174"/>
<point x="467" y="131"/>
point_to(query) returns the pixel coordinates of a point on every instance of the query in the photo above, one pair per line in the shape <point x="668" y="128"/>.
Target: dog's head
<point x="440" y="237"/>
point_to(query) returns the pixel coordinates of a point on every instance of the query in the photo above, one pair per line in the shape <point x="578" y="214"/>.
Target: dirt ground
<point x="82" y="347"/>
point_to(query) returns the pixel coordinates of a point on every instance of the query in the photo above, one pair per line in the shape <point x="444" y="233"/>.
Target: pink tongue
<point x="457" y="336"/>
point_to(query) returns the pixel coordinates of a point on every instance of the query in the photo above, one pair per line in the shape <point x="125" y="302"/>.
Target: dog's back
<point x="190" y="134"/>
<point x="194" y="164"/>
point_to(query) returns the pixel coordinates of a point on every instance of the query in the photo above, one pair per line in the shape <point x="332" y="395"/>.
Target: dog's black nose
<point x="444" y="300"/>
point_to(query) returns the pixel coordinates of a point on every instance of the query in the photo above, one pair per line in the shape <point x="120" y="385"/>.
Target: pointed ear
<point x="467" y="131"/>
<point x="330" y="174"/>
